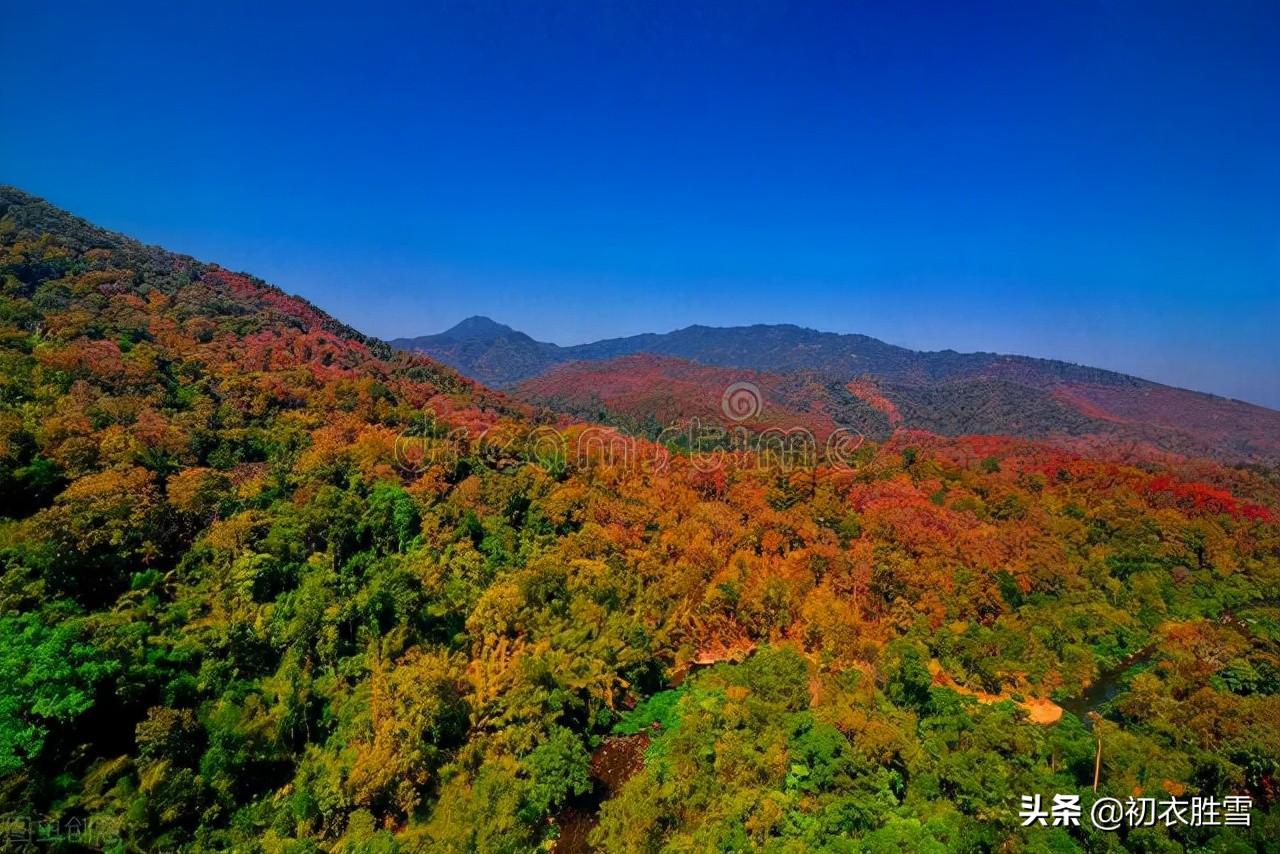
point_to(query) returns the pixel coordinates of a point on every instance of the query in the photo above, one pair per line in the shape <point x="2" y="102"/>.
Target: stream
<point x="1110" y="682"/>
<point x="1113" y="680"/>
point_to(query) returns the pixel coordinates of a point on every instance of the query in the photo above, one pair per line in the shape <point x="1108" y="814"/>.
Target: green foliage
<point x="48" y="677"/>
<point x="909" y="680"/>
<point x="558" y="769"/>
<point x="659" y="710"/>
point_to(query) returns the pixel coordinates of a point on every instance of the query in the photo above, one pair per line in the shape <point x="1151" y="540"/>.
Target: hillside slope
<point x="231" y="620"/>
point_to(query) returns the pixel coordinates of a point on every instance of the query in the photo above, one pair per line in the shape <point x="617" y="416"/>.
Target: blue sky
<point x="1098" y="182"/>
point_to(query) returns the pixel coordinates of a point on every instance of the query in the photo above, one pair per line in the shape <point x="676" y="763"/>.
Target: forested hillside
<point x="230" y="619"/>
<point x="941" y="391"/>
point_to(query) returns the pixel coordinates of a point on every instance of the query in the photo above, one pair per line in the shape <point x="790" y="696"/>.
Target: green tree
<point x="48" y="675"/>
<point x="558" y="769"/>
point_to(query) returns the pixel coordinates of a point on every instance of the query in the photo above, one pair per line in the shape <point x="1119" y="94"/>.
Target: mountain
<point x="944" y="391"/>
<point x="493" y="353"/>
<point x="500" y="356"/>
<point x="478" y="327"/>
<point x="238" y="614"/>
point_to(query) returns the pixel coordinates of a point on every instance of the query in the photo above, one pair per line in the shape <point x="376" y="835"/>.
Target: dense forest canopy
<point x="229" y="620"/>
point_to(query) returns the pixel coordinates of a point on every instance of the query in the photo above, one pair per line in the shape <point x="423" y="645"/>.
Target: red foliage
<point x="243" y="286"/>
<point x="868" y="392"/>
<point x="672" y="390"/>
<point x="1203" y="498"/>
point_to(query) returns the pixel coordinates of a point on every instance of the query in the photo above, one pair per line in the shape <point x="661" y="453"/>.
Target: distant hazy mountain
<point x="493" y="353"/>
<point x="943" y="391"/>
<point x="500" y="356"/>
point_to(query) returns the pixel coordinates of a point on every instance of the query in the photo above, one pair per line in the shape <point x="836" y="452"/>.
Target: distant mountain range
<point x="828" y="379"/>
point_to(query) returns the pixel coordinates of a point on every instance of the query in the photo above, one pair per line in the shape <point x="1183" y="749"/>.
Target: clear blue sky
<point x="1098" y="182"/>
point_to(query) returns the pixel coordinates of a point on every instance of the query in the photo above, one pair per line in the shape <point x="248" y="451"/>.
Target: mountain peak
<point x="477" y="326"/>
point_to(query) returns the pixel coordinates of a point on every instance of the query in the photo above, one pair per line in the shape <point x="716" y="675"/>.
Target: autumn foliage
<point x="231" y="621"/>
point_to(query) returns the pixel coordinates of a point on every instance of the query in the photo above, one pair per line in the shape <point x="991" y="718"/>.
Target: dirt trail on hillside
<point x="1039" y="709"/>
